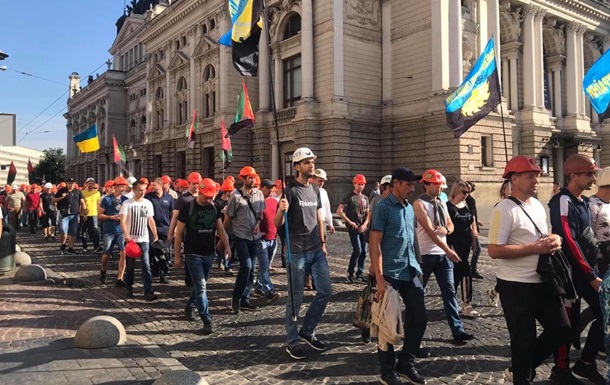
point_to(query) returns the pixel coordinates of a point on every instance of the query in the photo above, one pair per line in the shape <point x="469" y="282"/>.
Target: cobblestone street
<point x="38" y="322"/>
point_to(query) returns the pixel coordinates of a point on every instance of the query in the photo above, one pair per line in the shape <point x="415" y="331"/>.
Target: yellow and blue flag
<point x="597" y="85"/>
<point x="478" y="94"/>
<point x="87" y="141"/>
<point x="244" y="35"/>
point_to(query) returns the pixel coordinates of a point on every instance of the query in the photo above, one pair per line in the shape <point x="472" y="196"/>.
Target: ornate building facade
<point x="360" y="82"/>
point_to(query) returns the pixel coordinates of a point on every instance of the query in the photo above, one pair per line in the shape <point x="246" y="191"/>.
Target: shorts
<point x="112" y="239"/>
<point x="69" y="225"/>
<point x="48" y="220"/>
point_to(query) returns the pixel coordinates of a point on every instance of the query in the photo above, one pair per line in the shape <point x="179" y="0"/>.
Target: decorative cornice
<point x="362" y="34"/>
<point x="419" y="26"/>
<point x="179" y="14"/>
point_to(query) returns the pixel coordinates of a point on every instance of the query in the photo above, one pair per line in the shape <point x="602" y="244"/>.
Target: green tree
<point x="52" y="166"/>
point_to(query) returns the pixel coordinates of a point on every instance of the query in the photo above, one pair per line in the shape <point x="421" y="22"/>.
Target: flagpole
<point x="279" y="152"/>
<point x="504" y="130"/>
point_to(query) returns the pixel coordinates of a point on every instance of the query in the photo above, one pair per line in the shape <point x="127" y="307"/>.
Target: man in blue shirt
<point x="393" y="248"/>
<point x="108" y="214"/>
<point x="163" y="205"/>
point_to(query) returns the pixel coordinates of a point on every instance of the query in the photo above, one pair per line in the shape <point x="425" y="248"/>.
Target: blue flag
<point x="478" y="94"/>
<point x="597" y="85"/>
<point x="87" y="141"/>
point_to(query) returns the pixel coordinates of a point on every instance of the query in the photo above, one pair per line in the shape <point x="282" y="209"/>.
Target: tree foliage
<point x="52" y="166"/>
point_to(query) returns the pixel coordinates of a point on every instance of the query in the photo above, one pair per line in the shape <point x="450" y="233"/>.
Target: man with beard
<point x="571" y="219"/>
<point x="303" y="207"/>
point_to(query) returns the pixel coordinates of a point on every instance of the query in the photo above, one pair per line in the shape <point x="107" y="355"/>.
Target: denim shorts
<point x="69" y="225"/>
<point x="113" y="239"/>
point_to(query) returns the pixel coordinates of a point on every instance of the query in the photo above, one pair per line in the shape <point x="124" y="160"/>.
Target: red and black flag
<point x="31" y="174"/>
<point x="478" y="94"/>
<point x="12" y="173"/>
<point x="227" y="150"/>
<point x="244" y="117"/>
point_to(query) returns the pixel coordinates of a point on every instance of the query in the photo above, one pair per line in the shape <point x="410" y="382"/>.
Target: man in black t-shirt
<point x="198" y="223"/>
<point x="70" y="203"/>
<point x="307" y="253"/>
<point x="48" y="209"/>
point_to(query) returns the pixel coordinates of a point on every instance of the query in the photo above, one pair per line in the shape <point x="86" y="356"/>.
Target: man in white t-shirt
<point x="136" y="217"/>
<point x="516" y="245"/>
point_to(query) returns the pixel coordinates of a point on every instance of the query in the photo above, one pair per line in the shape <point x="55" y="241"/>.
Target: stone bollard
<point x="100" y="332"/>
<point x="17" y="248"/>
<point x="180" y="377"/>
<point x="30" y="273"/>
<point x="22" y="259"/>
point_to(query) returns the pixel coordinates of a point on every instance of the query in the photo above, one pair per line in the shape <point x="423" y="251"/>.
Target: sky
<point x="50" y="40"/>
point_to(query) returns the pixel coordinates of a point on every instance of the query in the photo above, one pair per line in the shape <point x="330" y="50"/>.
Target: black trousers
<point x="523" y="305"/>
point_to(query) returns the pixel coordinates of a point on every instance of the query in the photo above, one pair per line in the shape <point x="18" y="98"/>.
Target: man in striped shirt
<point x="136" y="216"/>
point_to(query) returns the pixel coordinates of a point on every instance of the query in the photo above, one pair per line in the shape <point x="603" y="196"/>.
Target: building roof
<point x="138" y="7"/>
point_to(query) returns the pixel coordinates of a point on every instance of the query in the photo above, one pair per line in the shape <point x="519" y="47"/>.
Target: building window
<point x="212" y="23"/>
<point x="289" y="170"/>
<point x="486" y="151"/>
<point x="293" y="26"/>
<point x="157" y="163"/>
<point x="209" y="91"/>
<point x="181" y="99"/>
<point x="292" y="81"/>
<point x="204" y="29"/>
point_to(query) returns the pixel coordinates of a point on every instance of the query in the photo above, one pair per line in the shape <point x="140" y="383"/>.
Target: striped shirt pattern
<point x="136" y="218"/>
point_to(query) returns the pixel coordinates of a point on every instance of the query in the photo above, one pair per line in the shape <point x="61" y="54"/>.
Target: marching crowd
<point x="542" y="274"/>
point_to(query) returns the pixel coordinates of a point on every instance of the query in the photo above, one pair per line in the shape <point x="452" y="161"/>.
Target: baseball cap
<point x="90" y="180"/>
<point x="267" y="183"/>
<point x="70" y="180"/>
<point x="404" y="174"/>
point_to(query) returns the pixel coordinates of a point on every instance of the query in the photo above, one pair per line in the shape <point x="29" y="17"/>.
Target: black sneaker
<point x="312" y="340"/>
<point x="207" y="328"/>
<point x="129" y="293"/>
<point x="361" y="279"/>
<point x="71" y="250"/>
<point x="245" y="305"/>
<point x="366" y="335"/>
<point x="259" y="293"/>
<point x="588" y="371"/>
<point x="411" y="375"/>
<point x="477" y="275"/>
<point x="235" y="306"/>
<point x="62" y="248"/>
<point x="296" y="352"/>
<point x="102" y="276"/>
<point x="189" y="311"/>
<point x="164" y="280"/>
<point x="350" y="279"/>
<point x="272" y="296"/>
<point x="53" y="237"/>
<point x="99" y="249"/>
<point x="463" y="337"/>
<point x="119" y="283"/>
<point x="422" y="353"/>
<point x="85" y="250"/>
<point x="563" y="377"/>
<point x="229" y="272"/>
<point x="149" y="297"/>
<point x="391" y="378"/>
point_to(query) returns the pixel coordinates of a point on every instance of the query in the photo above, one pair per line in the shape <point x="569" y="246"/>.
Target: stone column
<point x="307" y="49"/>
<point x="169" y="89"/>
<point x="455" y="58"/>
<point x="263" y="71"/>
<point x="279" y="81"/>
<point x="539" y="57"/>
<point x="580" y="68"/>
<point x="275" y="161"/>
<point x="606" y="43"/>
<point x="493" y="28"/>
<point x="225" y="61"/>
<point x="440" y="44"/>
<point x="505" y="78"/>
<point x="571" y="69"/>
<point x="514" y="85"/>
<point x="529" y="57"/>
<point x="557" y="99"/>
<point x="338" y="54"/>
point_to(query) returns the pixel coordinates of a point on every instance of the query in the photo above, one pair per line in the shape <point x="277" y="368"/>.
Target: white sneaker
<point x="492" y="297"/>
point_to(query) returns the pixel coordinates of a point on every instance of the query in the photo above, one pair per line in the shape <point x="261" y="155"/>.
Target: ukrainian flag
<point x="88" y="141"/>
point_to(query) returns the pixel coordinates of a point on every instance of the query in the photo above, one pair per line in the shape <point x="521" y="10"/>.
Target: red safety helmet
<point x="227" y="185"/>
<point x="257" y="181"/>
<point x="109" y="183"/>
<point x="145" y="181"/>
<point x="519" y="164"/>
<point x="359" y="178"/>
<point x="432" y="176"/>
<point x="166" y="179"/>
<point x="207" y="188"/>
<point x="133" y="250"/>
<point x="578" y="163"/>
<point x="120" y="181"/>
<point x="246" y="172"/>
<point x="183" y="183"/>
<point x="195" y="177"/>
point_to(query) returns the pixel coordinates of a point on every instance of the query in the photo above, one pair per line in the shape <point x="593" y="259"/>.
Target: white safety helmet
<point x="302" y="154"/>
<point x="319" y="173"/>
<point x="131" y="180"/>
<point x="386" y="180"/>
<point x="444" y="182"/>
<point x="48" y="185"/>
<point x="15" y="187"/>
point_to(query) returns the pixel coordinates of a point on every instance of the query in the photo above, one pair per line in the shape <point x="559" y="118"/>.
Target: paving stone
<point x="180" y="377"/>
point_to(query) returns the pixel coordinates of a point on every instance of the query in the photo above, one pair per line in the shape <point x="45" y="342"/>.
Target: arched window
<point x="204" y="29"/>
<point x="212" y="23"/>
<point x="181" y="101"/>
<point x="159" y="109"/>
<point x="292" y="26"/>
<point x="209" y="91"/>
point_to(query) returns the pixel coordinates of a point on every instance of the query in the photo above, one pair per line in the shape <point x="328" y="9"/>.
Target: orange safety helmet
<point x="432" y="176"/>
<point x="359" y="178"/>
<point x="519" y="164"/>
<point x="195" y="177"/>
<point x="120" y="181"/>
<point x="279" y="185"/>
<point x="183" y="183"/>
<point x="257" y="181"/>
<point x="207" y="188"/>
<point x="217" y="186"/>
<point x="177" y="182"/>
<point x="246" y="172"/>
<point x="166" y="179"/>
<point x="227" y="185"/>
<point x="109" y="183"/>
<point x="578" y="163"/>
<point x="145" y="181"/>
<point x="133" y="250"/>
<point x="231" y="178"/>
<point x="61" y="185"/>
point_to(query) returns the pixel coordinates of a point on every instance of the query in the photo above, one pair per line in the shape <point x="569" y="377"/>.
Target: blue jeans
<point x="265" y="252"/>
<point x="112" y="239"/>
<point x="358" y="241"/>
<point x="90" y="226"/>
<point x="199" y="268"/>
<point x="69" y="225"/>
<point x="415" y="320"/>
<point x="246" y="251"/>
<point x="146" y="275"/>
<point x="442" y="267"/>
<point x="316" y="265"/>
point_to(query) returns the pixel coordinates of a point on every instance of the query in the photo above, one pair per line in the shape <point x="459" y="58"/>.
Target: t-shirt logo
<point x="202" y="221"/>
<point x="141" y="212"/>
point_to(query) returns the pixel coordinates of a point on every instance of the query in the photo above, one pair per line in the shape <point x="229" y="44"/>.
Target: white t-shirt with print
<point x="600" y="218"/>
<point x="136" y="218"/>
<point x="510" y="226"/>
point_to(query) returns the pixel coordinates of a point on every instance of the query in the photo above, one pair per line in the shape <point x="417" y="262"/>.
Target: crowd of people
<point x="196" y="222"/>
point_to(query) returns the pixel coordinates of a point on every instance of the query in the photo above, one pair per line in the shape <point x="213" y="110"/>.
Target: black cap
<point x="405" y="174"/>
<point x="70" y="180"/>
<point x="267" y="183"/>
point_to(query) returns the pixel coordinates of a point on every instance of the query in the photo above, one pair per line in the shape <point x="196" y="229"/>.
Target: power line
<point x="34" y="76"/>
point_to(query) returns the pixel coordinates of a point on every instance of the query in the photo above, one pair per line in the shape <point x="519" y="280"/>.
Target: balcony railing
<point x="286" y="115"/>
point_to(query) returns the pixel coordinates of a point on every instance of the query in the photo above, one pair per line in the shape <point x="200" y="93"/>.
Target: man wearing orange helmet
<point x="167" y="183"/>
<point x="433" y="225"/>
<point x="198" y="224"/>
<point x="355" y="211"/>
<point x="108" y="213"/>
<point x="163" y="205"/>
<point x="244" y="214"/>
<point x="516" y="244"/>
<point x="221" y="201"/>
<point x="571" y="219"/>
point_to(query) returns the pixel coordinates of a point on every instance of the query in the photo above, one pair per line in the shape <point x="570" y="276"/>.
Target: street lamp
<point x="3" y="55"/>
